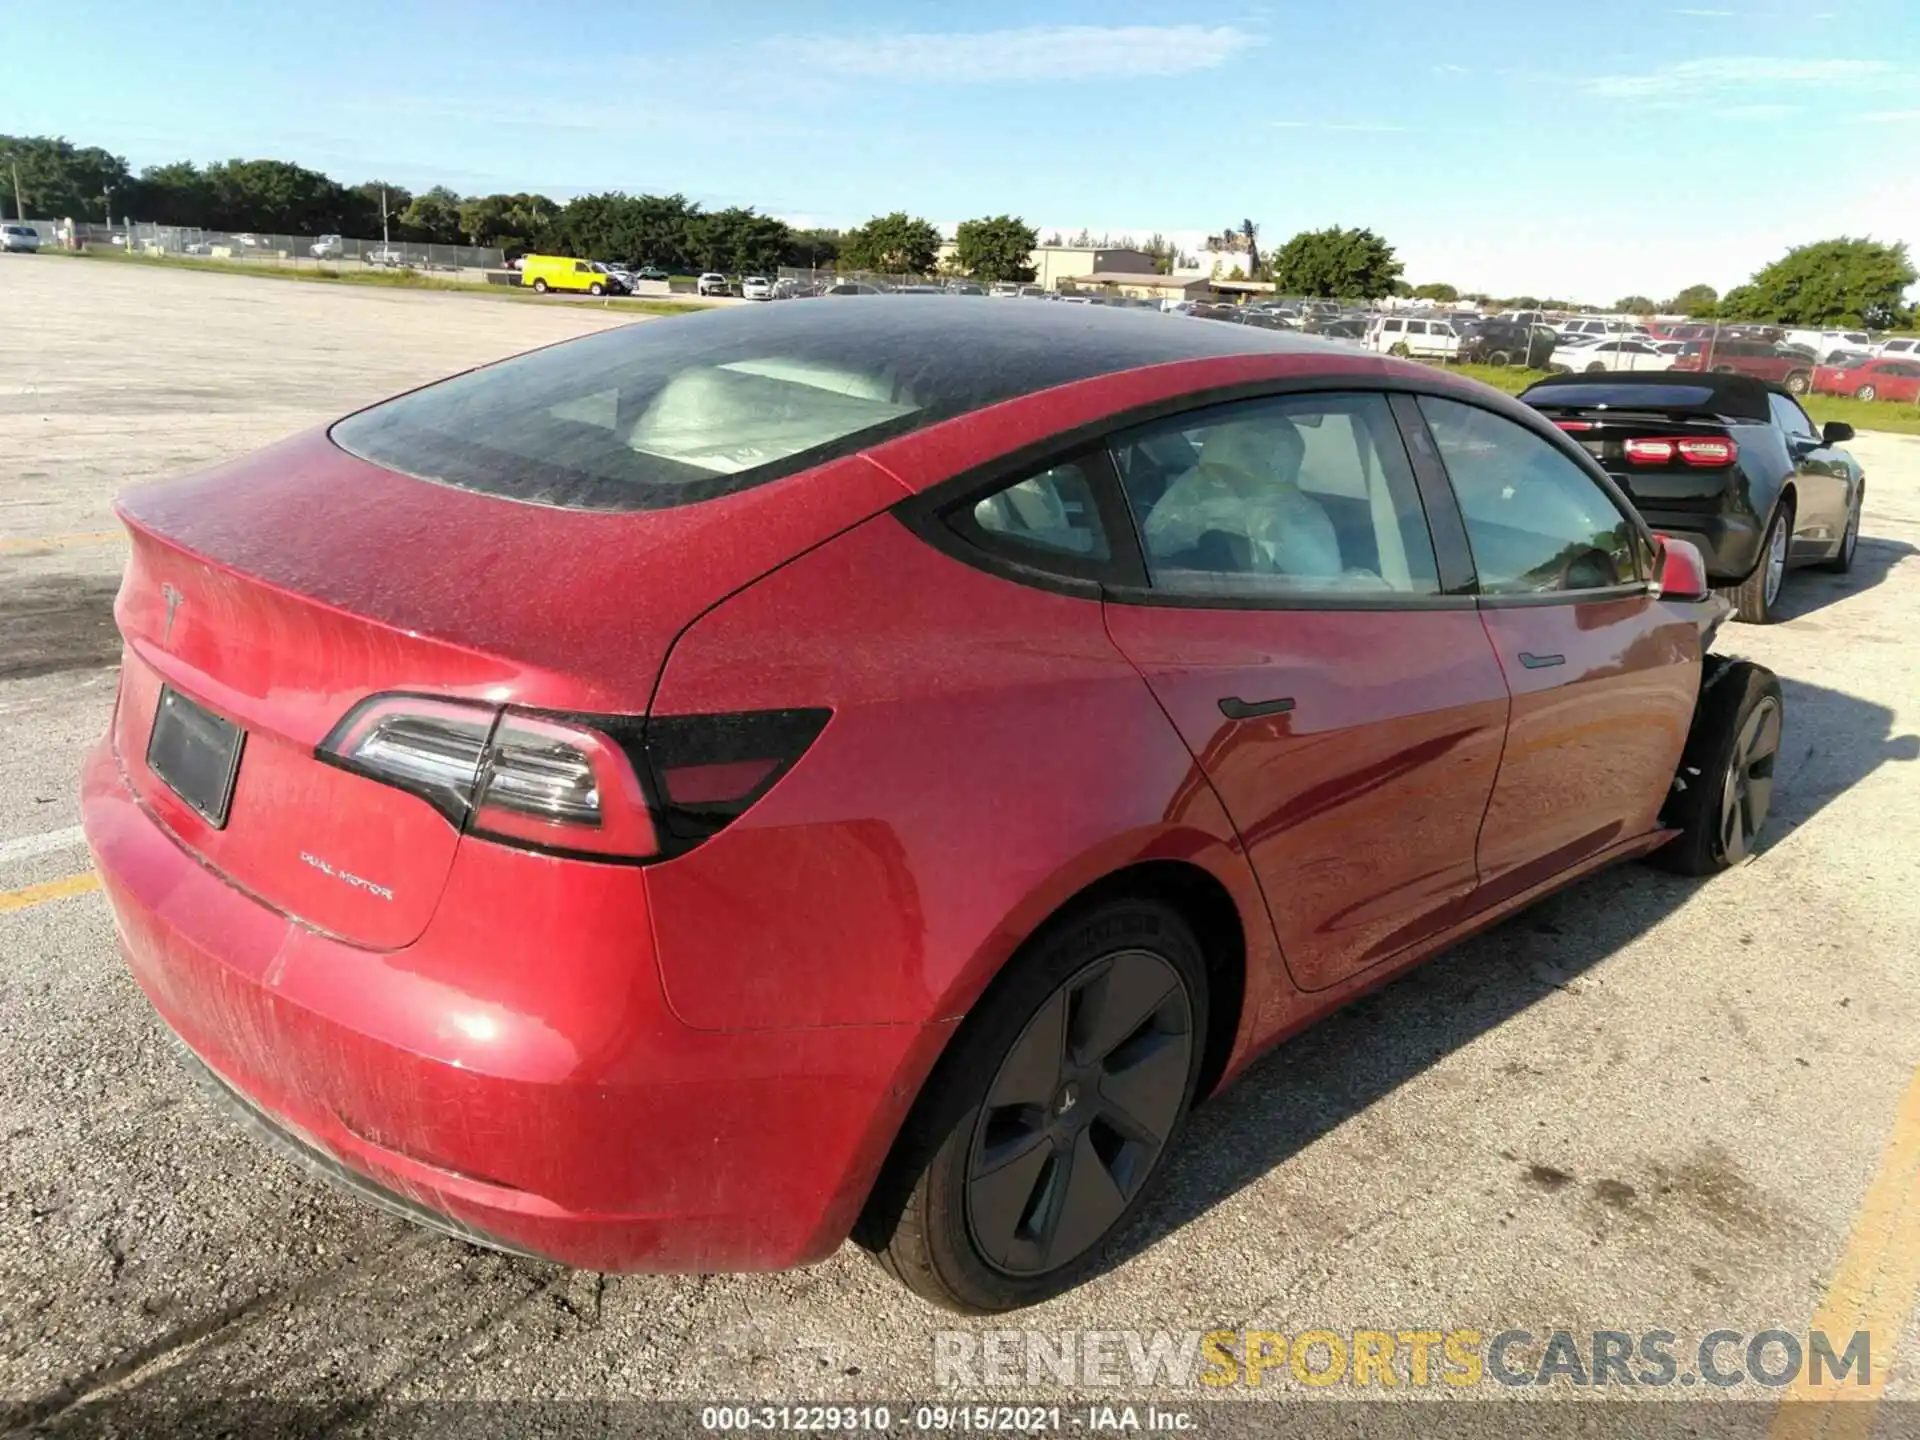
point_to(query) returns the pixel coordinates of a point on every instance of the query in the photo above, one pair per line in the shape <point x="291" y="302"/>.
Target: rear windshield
<point x="1588" y="395"/>
<point x="674" y="411"/>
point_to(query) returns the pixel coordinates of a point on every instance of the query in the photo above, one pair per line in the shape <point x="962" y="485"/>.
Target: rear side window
<point x="1053" y="513"/>
<point x="1536" y="522"/>
<point x="1276" y="499"/>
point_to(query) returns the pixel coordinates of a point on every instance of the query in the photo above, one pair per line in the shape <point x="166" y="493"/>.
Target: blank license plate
<point x="197" y="753"/>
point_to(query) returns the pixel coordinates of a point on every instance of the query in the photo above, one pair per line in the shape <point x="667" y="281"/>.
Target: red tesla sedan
<point x="679" y="798"/>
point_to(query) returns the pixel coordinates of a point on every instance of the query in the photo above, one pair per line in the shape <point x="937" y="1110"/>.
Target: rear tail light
<point x="1574" y="425"/>
<point x="594" y="787"/>
<point x="1708" y="452"/>
<point x="1693" y="450"/>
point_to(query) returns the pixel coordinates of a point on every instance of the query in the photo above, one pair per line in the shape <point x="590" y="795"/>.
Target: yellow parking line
<point x="1873" y="1289"/>
<point x="48" y="890"/>
<point x="63" y="542"/>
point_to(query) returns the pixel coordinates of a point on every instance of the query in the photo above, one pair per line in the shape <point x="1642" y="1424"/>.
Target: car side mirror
<point x="1680" y="568"/>
<point x="1835" y="432"/>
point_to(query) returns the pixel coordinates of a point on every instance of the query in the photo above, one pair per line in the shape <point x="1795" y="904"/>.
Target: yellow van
<point x="542" y="273"/>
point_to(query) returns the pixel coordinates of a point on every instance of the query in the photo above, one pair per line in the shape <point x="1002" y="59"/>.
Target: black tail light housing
<point x="623" y="788"/>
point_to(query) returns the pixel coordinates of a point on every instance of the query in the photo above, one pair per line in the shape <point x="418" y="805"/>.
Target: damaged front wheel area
<point x="1724" y="790"/>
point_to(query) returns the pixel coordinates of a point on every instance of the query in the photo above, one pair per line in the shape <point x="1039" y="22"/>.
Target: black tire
<point x="1866" y="392"/>
<point x="931" y="1222"/>
<point x="539" y="287"/>
<point x="1399" y="347"/>
<point x="1797" y="382"/>
<point x="1756" y="600"/>
<point x="1842" y="561"/>
<point x="1597" y="367"/>
<point x="1726" y="769"/>
<point x="1499" y="359"/>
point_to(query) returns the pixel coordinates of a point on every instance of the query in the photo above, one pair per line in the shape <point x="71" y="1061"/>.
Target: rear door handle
<point x="1234" y="708"/>
<point x="1541" y="662"/>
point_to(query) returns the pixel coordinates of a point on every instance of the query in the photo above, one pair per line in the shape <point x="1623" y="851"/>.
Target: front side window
<point x="1299" y="496"/>
<point x="1053" y="512"/>
<point x="1790" y="417"/>
<point x="1536" y="522"/>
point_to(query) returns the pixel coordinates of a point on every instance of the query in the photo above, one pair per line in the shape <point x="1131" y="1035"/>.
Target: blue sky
<point x="1508" y="145"/>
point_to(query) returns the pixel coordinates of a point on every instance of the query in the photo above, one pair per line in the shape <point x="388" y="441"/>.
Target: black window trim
<point x="1122" y="578"/>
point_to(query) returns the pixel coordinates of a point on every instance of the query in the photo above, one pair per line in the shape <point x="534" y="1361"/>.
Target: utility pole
<point x="383" y="222"/>
<point x="19" y="205"/>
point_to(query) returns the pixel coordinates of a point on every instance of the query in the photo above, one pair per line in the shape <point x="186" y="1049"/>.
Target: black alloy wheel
<point x="1044" y="1124"/>
<point x="1079" y="1112"/>
<point x="1724" y="790"/>
<point x="1746" y="795"/>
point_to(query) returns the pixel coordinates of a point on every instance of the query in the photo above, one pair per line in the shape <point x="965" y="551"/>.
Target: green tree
<point x="273" y="196"/>
<point x="1696" y="302"/>
<point x="1635" y="305"/>
<point x="513" y="223"/>
<point x="813" y="249"/>
<point x="173" y="194"/>
<point x="1336" y="263"/>
<point x="432" y="218"/>
<point x="59" y="180"/>
<point x="363" y="202"/>
<point x="1831" y="282"/>
<point x="996" y="247"/>
<point x="898" y="244"/>
<point x="1436" y="290"/>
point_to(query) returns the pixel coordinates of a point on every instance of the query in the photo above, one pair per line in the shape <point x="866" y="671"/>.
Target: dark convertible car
<point x="1729" y="462"/>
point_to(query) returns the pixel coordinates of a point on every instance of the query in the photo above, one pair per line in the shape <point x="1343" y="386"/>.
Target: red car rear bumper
<point x="516" y="1071"/>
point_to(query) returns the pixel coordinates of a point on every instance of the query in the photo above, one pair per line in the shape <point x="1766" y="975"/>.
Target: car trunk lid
<point x="279" y="592"/>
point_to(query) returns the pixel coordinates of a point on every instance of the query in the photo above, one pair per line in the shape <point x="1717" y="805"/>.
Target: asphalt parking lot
<point x="1647" y="1104"/>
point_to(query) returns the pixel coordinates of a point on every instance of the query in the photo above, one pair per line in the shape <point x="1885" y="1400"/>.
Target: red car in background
<point x="1762" y="359"/>
<point x="681" y="797"/>
<point x="1871" y="380"/>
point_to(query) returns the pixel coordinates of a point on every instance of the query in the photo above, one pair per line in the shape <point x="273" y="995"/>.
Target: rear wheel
<point x="539" y="287"/>
<point x="1726" y="769"/>
<point x="1842" y="560"/>
<point x="596" y="288"/>
<point x="1499" y="359"/>
<point x="1399" y="347"/>
<point x="1052" y="1111"/>
<point x="1756" y="599"/>
<point x="1596" y="367"/>
<point x="1865" y="392"/>
<point x="1797" y="383"/>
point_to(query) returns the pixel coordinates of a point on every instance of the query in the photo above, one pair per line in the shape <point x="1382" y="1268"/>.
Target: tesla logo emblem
<point x="173" y="598"/>
<point x="1069" y="1097"/>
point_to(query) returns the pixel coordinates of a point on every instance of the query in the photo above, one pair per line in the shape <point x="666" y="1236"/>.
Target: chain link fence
<point x="142" y="238"/>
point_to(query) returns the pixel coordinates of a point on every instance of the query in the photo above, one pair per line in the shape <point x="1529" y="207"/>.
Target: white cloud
<point x="1329" y="125"/>
<point x="1707" y="14"/>
<point x="1040" y="52"/>
<point x="1892" y="117"/>
<point x="1756" y="112"/>
<point x="1732" y="71"/>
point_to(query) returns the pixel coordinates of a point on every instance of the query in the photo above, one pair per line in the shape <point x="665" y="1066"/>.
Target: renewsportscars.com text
<point x="1318" y="1359"/>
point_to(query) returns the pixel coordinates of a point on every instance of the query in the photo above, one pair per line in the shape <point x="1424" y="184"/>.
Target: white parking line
<point x="27" y="846"/>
